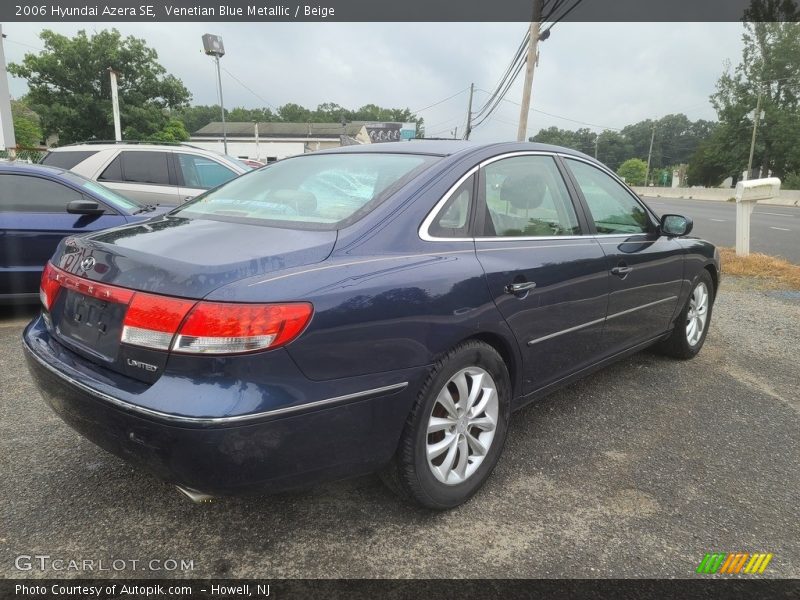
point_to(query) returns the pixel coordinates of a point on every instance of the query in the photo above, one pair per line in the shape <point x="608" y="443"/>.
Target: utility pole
<point x="115" y="104"/>
<point x="255" y="134"/>
<point x="596" y="141"/>
<point x="530" y="63"/>
<point x="455" y="132"/>
<point x="649" y="155"/>
<point x="756" y="118"/>
<point x="469" y="112"/>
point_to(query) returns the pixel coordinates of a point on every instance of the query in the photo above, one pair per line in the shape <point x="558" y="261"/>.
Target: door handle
<point x="518" y="288"/>
<point x="622" y="271"/>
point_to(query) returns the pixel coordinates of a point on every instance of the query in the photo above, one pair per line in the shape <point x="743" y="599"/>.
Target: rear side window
<point x="25" y="193"/>
<point x="527" y="197"/>
<point x="138" y="167"/>
<point x="453" y="218"/>
<point x="66" y="159"/>
<point x="201" y="172"/>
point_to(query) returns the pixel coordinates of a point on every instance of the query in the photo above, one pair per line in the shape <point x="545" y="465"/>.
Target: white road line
<point x="720" y="220"/>
<point x="780" y="228"/>
<point x="774" y="214"/>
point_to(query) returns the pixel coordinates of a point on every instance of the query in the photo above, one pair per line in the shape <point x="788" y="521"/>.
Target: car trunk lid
<point x="175" y="257"/>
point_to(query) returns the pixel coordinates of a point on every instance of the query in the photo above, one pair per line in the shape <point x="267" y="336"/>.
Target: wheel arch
<point x="712" y="271"/>
<point x="506" y="351"/>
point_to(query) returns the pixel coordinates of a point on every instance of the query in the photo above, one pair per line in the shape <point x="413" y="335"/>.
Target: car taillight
<point x="49" y="287"/>
<point x="152" y="321"/>
<point x="226" y="328"/>
<point x="188" y="326"/>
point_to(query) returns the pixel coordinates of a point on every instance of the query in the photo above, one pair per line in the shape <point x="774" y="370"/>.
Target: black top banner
<point x="400" y="589"/>
<point x="396" y="10"/>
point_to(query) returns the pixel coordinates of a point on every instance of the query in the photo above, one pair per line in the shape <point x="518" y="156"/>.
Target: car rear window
<point x="66" y="159"/>
<point x="323" y="191"/>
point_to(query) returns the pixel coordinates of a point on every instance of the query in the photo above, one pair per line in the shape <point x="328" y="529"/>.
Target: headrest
<point x="523" y="191"/>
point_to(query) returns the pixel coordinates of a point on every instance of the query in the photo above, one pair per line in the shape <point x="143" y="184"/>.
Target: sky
<point x="605" y="75"/>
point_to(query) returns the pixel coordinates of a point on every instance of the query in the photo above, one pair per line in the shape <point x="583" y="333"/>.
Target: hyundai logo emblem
<point x="87" y="263"/>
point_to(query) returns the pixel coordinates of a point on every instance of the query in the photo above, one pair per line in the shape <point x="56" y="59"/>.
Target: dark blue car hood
<point x="189" y="257"/>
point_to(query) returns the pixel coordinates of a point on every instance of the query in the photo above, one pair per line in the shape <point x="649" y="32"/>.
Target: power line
<point x="241" y="83"/>
<point x="557" y="116"/>
<point x="514" y="64"/>
<point x="440" y="101"/>
<point x="564" y="14"/>
<point x="9" y="40"/>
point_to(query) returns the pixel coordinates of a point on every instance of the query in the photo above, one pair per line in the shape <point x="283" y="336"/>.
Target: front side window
<point x="526" y="196"/>
<point x="24" y="193"/>
<point x="612" y="208"/>
<point x="318" y="191"/>
<point x="201" y="172"/>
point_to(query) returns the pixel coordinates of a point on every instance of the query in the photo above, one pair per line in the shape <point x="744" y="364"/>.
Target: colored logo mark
<point x="734" y="562"/>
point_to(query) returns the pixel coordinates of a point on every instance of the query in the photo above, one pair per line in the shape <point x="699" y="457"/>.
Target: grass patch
<point x="774" y="270"/>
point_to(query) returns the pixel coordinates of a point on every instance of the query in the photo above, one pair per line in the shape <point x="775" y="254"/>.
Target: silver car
<point x="149" y="173"/>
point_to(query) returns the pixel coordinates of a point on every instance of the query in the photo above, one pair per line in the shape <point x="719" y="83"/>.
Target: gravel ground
<point x="636" y="471"/>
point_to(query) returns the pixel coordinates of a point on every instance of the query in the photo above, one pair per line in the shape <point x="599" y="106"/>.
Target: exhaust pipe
<point x="194" y="495"/>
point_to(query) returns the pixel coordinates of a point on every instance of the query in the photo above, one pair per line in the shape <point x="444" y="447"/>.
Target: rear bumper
<point x="308" y="441"/>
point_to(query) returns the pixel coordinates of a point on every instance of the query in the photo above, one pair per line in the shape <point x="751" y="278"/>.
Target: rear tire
<point x="455" y="432"/>
<point x="691" y="326"/>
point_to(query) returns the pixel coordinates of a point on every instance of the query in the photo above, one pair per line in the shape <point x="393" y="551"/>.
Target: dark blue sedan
<point x="41" y="205"/>
<point x="372" y="308"/>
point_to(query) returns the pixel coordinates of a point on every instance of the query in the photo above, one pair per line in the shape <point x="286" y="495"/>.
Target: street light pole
<point x="222" y="108"/>
<point x="212" y="45"/>
<point x="8" y="141"/>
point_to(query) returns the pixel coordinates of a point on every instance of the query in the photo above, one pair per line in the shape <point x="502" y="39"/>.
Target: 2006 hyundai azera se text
<point x="371" y="308"/>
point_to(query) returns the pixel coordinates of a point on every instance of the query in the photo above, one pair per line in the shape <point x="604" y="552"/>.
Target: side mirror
<point x="676" y="225"/>
<point x="85" y="207"/>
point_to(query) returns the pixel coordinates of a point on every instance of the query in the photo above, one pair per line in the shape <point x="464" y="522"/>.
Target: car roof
<point x="449" y="148"/>
<point x="33" y="169"/>
<point x="127" y="145"/>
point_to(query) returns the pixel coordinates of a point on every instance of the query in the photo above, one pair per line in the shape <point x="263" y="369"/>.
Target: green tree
<point x="173" y="131"/>
<point x="27" y="131"/>
<point x="69" y="85"/>
<point x="770" y="67"/>
<point x="709" y="165"/>
<point x="613" y="148"/>
<point x="197" y="117"/>
<point x="633" y="171"/>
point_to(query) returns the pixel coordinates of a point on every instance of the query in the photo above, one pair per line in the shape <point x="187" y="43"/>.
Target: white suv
<point x="149" y="173"/>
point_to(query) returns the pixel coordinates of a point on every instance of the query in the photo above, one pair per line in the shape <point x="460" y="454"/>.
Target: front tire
<point x="455" y="432"/>
<point x="691" y="326"/>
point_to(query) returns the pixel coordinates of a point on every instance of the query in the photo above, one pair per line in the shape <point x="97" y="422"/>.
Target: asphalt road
<point x="774" y="230"/>
<point x="637" y="471"/>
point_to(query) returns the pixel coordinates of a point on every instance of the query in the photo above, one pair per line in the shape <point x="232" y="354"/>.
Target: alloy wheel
<point x="697" y="315"/>
<point x="462" y="425"/>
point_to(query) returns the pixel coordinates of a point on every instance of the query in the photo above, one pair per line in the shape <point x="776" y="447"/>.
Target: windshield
<point x="319" y="191"/>
<point x="109" y="196"/>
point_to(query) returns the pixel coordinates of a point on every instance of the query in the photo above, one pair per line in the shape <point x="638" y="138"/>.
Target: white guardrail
<point x="748" y="193"/>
